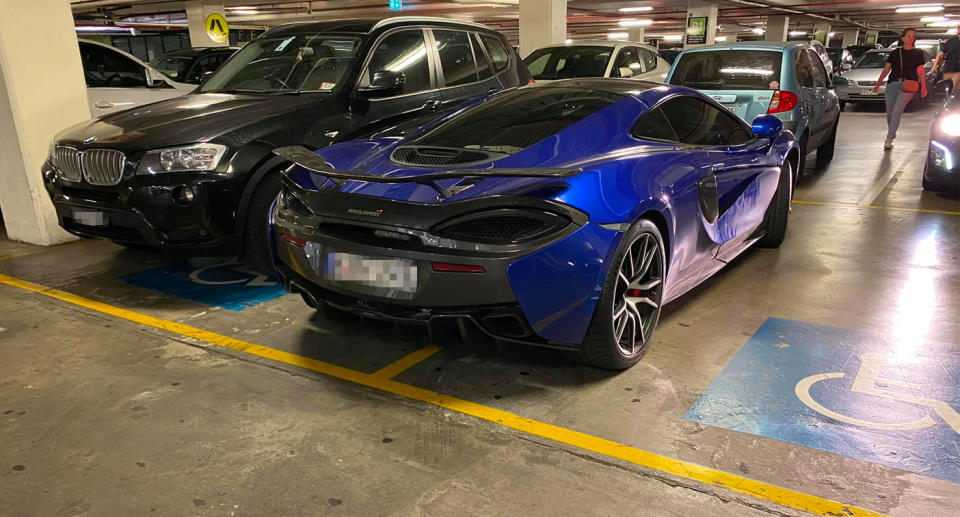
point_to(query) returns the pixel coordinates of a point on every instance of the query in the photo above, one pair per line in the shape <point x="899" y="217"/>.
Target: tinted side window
<point x="649" y="59"/>
<point x="456" y="57"/>
<point x="804" y="74"/>
<point x="819" y="72"/>
<point x="653" y="125"/>
<point x="497" y="53"/>
<point x="105" y="68"/>
<point x="403" y="51"/>
<point x="699" y="123"/>
<point x="204" y="65"/>
<point x="626" y="59"/>
<point x="483" y="66"/>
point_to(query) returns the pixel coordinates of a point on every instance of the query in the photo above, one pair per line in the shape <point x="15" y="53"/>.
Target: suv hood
<point x="182" y="120"/>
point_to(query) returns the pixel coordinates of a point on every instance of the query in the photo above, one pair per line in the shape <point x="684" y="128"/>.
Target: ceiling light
<point x="635" y="9"/>
<point x="832" y="34"/>
<point x="757" y="30"/>
<point x="673" y="37"/>
<point x="948" y="23"/>
<point x="798" y="33"/>
<point x="929" y="19"/>
<point x="569" y="41"/>
<point x="245" y="12"/>
<point x="635" y="23"/>
<point x="952" y="31"/>
<point x="927" y="8"/>
<point x="618" y="35"/>
<point x="721" y="39"/>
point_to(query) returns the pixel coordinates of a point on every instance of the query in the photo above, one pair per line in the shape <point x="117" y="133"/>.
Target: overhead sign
<point x="697" y="30"/>
<point x="847" y="392"/>
<point x="230" y="285"/>
<point x="395" y="5"/>
<point x="217" y="28"/>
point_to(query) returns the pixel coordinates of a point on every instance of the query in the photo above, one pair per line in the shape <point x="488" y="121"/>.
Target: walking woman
<point x="905" y="66"/>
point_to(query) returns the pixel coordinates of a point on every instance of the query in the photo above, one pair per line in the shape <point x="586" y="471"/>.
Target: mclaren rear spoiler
<point x="312" y="162"/>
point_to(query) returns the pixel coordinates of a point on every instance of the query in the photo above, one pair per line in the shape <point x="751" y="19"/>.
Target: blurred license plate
<point x="393" y="274"/>
<point x="867" y="91"/>
<point x="90" y="217"/>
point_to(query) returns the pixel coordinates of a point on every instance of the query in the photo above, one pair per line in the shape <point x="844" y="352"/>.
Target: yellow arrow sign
<point x="217" y="28"/>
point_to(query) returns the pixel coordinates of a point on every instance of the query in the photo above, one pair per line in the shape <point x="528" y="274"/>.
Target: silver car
<point x="856" y="84"/>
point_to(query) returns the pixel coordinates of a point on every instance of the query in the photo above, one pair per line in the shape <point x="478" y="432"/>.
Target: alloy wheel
<point x="638" y="294"/>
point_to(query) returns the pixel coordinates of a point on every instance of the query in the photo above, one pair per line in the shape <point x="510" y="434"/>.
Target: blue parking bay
<point x="892" y="401"/>
<point x="230" y="285"/>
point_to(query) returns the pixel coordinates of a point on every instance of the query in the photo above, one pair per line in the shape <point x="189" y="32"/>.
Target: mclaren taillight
<point x="782" y="101"/>
<point x="446" y="267"/>
<point x="296" y="241"/>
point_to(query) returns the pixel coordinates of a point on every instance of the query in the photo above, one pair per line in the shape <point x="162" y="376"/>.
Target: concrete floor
<point x="101" y="416"/>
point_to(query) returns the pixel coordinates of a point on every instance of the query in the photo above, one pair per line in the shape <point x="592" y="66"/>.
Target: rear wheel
<point x="629" y="307"/>
<point x="256" y="241"/>
<point x="825" y="151"/>
<point x="775" y="219"/>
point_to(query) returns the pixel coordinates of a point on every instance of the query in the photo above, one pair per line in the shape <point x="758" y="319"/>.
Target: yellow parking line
<point x="876" y="207"/>
<point x="399" y="366"/>
<point x="378" y="380"/>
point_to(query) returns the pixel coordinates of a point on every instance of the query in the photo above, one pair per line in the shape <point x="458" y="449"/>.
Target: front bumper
<point x="144" y="210"/>
<point x="942" y="169"/>
<point x="857" y="94"/>
<point x="543" y="292"/>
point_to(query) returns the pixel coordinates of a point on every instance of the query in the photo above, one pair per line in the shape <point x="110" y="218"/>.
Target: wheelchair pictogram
<point x="868" y="381"/>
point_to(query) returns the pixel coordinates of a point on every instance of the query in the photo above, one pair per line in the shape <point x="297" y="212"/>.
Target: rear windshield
<point x="568" y="62"/>
<point x="512" y="121"/>
<point x="728" y="70"/>
<point x="873" y="60"/>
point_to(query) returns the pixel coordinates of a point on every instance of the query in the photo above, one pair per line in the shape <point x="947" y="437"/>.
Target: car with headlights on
<point x="941" y="171"/>
<point x="787" y="80"/>
<point x="197" y="172"/>
<point x="562" y="216"/>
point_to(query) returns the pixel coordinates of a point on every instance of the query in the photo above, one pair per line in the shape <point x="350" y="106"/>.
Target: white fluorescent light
<point x="673" y="37"/>
<point x="721" y="39"/>
<point x="245" y="12"/>
<point x="635" y="23"/>
<point x="798" y="33"/>
<point x="930" y="19"/>
<point x="635" y="9"/>
<point x="757" y="30"/>
<point x="618" y="35"/>
<point x="569" y="41"/>
<point x="928" y="8"/>
<point x="105" y="28"/>
<point x="832" y="34"/>
<point x="947" y="23"/>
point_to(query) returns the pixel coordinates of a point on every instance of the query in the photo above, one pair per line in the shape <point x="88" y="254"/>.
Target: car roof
<point x="366" y="26"/>
<point x="597" y="43"/>
<point x="626" y="87"/>
<point x="749" y="45"/>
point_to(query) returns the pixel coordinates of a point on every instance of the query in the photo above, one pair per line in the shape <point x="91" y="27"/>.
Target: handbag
<point x="909" y="85"/>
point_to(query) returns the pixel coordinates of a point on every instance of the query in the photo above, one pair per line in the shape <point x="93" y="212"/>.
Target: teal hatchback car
<point x="788" y="80"/>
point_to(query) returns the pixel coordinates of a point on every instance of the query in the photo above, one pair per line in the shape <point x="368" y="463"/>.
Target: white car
<point x="597" y="59"/>
<point x="117" y="80"/>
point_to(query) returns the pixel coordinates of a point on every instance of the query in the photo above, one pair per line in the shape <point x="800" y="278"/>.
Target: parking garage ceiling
<point x="586" y="19"/>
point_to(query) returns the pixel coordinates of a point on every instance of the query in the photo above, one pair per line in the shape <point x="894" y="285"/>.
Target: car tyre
<point x="137" y="246"/>
<point x="825" y="151"/>
<point x="632" y="292"/>
<point x="775" y="219"/>
<point x="256" y="236"/>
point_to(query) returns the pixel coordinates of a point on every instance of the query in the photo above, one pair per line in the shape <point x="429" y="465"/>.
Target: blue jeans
<point x="897" y="101"/>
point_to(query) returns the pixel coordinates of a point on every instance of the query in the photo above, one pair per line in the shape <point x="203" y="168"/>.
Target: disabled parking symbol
<point x="230" y="285"/>
<point x="848" y="392"/>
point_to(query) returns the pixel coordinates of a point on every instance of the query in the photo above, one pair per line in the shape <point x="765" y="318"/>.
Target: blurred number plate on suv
<point x="395" y="275"/>
<point x="867" y="91"/>
<point x="90" y="217"/>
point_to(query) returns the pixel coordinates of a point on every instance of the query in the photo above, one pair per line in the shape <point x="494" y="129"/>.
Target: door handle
<point x="431" y="105"/>
<point x="493" y="90"/>
<point x="104" y="104"/>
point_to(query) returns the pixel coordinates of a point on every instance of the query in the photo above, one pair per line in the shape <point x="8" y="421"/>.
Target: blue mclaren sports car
<point x="563" y="216"/>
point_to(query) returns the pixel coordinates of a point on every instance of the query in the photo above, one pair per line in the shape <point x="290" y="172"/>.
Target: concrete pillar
<point x="872" y="37"/>
<point x="821" y="32"/>
<point x="41" y="92"/>
<point x="542" y="22"/>
<point x="635" y="34"/>
<point x="201" y="35"/>
<point x="777" y="28"/>
<point x="850" y="38"/>
<point x="698" y="14"/>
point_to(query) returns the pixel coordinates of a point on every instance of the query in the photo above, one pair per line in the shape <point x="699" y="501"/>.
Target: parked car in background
<point x="837" y="58"/>
<point x="856" y="84"/>
<point x="788" y="80"/>
<point x="941" y="171"/>
<point x="562" y="216"/>
<point x="198" y="172"/>
<point x="821" y="51"/>
<point x="670" y="54"/>
<point x="855" y="51"/>
<point x="189" y="65"/>
<point x="117" y="80"/>
<point x="597" y="59"/>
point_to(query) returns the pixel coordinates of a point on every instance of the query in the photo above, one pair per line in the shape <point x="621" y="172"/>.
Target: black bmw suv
<point x="198" y="171"/>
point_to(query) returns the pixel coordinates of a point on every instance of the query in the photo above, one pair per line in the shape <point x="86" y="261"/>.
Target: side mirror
<point x="154" y="78"/>
<point x="625" y="71"/>
<point x="384" y="84"/>
<point x="766" y="126"/>
<point x="206" y="75"/>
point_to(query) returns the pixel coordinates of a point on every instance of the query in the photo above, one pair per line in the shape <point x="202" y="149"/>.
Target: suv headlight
<point x="189" y="158"/>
